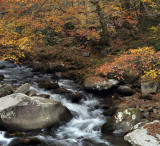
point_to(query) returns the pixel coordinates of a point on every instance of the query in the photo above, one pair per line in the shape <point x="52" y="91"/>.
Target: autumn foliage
<point x="142" y="61"/>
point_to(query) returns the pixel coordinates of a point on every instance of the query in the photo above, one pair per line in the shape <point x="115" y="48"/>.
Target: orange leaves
<point x="138" y="61"/>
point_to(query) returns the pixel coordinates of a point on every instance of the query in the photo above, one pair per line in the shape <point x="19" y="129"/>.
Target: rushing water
<point x="82" y="130"/>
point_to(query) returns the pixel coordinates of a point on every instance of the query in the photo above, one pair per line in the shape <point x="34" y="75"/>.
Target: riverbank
<point x="125" y="94"/>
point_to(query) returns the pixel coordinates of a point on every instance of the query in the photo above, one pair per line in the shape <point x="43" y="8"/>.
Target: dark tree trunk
<point x="105" y="36"/>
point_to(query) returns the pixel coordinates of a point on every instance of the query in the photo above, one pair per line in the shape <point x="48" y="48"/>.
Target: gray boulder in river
<point x="19" y="112"/>
<point x="100" y="86"/>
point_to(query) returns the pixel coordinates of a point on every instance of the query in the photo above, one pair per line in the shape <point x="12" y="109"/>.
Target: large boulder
<point x="1" y="77"/>
<point x="23" y="89"/>
<point x="149" y="87"/>
<point x="100" y="85"/>
<point x="5" y="89"/>
<point x="125" y="90"/>
<point x="148" y="135"/>
<point x="19" y="112"/>
<point x="125" y="119"/>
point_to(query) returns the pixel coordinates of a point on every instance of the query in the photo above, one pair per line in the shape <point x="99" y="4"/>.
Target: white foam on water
<point x="85" y="124"/>
<point x="4" y="141"/>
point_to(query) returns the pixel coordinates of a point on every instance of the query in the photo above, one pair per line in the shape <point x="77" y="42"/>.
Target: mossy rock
<point x="110" y="112"/>
<point x="108" y="126"/>
<point x="25" y="142"/>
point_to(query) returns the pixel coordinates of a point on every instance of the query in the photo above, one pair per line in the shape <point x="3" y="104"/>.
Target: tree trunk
<point x="103" y="25"/>
<point x="105" y="36"/>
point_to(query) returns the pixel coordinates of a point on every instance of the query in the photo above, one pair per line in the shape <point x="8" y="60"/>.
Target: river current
<point x="85" y="127"/>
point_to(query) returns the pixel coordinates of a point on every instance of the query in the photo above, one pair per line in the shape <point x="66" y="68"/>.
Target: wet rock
<point x="2" y="66"/>
<point x="125" y="90"/>
<point x="60" y="68"/>
<point x="25" y="141"/>
<point x="76" y="97"/>
<point x="108" y="126"/>
<point x="125" y="119"/>
<point x="5" y="89"/>
<point x="149" y="87"/>
<point x="140" y="137"/>
<point x="1" y="77"/>
<point x="44" y="95"/>
<point x="55" y="77"/>
<point x="31" y="93"/>
<point x="100" y="86"/>
<point x="48" y="86"/>
<point x="145" y="96"/>
<point x="110" y="112"/>
<point x="19" y="112"/>
<point x="23" y="89"/>
<point x="61" y="91"/>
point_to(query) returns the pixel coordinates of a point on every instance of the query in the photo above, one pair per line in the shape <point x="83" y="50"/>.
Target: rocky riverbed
<point x="30" y="119"/>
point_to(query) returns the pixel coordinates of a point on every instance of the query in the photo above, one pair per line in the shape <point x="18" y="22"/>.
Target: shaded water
<point x="82" y="130"/>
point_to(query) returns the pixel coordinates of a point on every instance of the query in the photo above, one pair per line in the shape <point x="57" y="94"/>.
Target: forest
<point x="111" y="48"/>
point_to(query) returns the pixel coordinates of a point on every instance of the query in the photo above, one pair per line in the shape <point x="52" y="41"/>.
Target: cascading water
<point x="82" y="130"/>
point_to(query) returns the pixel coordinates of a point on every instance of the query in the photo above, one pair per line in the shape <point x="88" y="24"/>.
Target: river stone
<point x="23" y="89"/>
<point x="139" y="137"/>
<point x="31" y="93"/>
<point x="110" y="112"/>
<point x="149" y="87"/>
<point x="125" y="119"/>
<point x="1" y="77"/>
<point x="108" y="126"/>
<point x="2" y="66"/>
<point x="125" y="90"/>
<point x="99" y="86"/>
<point x="60" y="68"/>
<point x="19" y="112"/>
<point x="5" y="89"/>
<point x="29" y="141"/>
<point x="145" y="96"/>
<point x="48" y="85"/>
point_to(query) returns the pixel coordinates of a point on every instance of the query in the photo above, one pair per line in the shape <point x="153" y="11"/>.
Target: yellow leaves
<point x="141" y="61"/>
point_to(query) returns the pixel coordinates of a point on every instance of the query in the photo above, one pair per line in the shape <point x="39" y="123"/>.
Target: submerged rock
<point x="19" y="112"/>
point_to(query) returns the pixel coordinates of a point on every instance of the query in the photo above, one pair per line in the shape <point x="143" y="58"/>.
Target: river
<point x="85" y="127"/>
